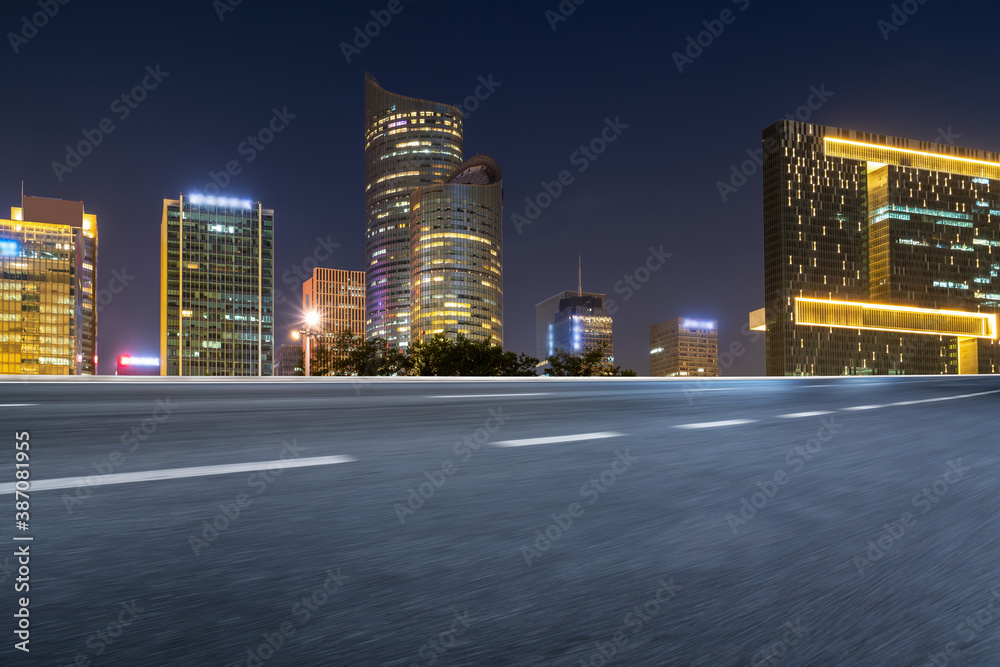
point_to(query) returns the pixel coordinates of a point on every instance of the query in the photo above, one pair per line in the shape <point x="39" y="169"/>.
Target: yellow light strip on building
<point x="846" y="148"/>
<point x="887" y="317"/>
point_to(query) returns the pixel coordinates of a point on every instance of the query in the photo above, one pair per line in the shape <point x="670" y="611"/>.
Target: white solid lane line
<point x="799" y="415"/>
<point x="580" y="437"/>
<point x="179" y="473"/>
<point x="490" y="395"/>
<point x="731" y="422"/>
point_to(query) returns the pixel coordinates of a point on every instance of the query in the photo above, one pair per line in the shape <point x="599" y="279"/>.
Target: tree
<point x="461" y="356"/>
<point x="592" y="363"/>
<point x="353" y="355"/>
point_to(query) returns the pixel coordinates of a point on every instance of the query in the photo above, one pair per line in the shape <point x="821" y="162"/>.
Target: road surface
<point x="540" y="522"/>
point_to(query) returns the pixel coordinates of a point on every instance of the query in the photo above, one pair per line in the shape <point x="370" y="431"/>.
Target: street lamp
<point x="312" y="319"/>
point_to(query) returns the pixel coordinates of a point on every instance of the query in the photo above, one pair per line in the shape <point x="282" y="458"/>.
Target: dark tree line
<point x="350" y="354"/>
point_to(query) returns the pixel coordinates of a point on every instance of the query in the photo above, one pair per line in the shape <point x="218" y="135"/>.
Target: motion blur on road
<point x="537" y="522"/>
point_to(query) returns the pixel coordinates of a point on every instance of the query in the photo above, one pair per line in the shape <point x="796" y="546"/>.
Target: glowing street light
<point x="311" y="321"/>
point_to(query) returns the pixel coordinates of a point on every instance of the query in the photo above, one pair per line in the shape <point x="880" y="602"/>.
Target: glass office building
<point x="409" y="143"/>
<point x="48" y="308"/>
<point x="217" y="284"/>
<point x="881" y="254"/>
<point x="580" y="322"/>
<point x="684" y="347"/>
<point x="456" y="258"/>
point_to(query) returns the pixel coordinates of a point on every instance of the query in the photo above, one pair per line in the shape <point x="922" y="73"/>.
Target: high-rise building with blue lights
<point x="217" y="285"/>
<point x="684" y="347"/>
<point x="574" y="322"/>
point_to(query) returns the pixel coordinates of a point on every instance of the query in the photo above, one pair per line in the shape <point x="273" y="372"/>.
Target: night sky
<point x="655" y="185"/>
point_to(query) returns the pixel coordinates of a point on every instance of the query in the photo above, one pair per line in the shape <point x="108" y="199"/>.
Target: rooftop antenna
<point x="579" y="285"/>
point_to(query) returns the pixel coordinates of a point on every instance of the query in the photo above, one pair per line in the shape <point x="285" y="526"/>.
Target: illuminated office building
<point x="48" y="321"/>
<point x="338" y="297"/>
<point x="580" y="323"/>
<point x="216" y="287"/>
<point x="456" y="259"/>
<point x="684" y="347"/>
<point x="882" y="254"/>
<point x="409" y="143"/>
<point x="545" y="315"/>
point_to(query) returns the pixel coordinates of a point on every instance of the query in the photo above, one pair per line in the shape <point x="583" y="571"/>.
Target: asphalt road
<point x="750" y="522"/>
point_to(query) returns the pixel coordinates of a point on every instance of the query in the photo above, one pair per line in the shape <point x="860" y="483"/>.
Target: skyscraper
<point x="409" y="143"/>
<point x="684" y="347"/>
<point x="48" y="307"/>
<point x="545" y="315"/>
<point x="456" y="259"/>
<point x="216" y="287"/>
<point x="338" y="297"/>
<point x="881" y="254"/>
<point x="574" y="322"/>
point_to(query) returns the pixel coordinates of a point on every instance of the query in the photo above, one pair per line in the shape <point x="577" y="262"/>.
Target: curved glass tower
<point x="456" y="266"/>
<point x="409" y="143"/>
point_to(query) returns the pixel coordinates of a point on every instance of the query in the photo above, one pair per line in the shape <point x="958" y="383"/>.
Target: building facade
<point x="684" y="347"/>
<point x="409" y="143"/>
<point x="217" y="284"/>
<point x="338" y="297"/>
<point x="575" y="322"/>
<point x="456" y="255"/>
<point x="881" y="254"/>
<point x="48" y="321"/>
<point x="289" y="361"/>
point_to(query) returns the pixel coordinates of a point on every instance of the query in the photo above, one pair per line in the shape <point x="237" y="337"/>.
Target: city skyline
<point x="700" y="154"/>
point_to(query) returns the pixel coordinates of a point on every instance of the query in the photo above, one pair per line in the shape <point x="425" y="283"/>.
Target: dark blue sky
<point x="656" y="184"/>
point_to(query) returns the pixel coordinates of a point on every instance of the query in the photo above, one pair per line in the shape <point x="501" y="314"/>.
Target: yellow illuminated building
<point x="882" y="254"/>
<point x="48" y="321"/>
